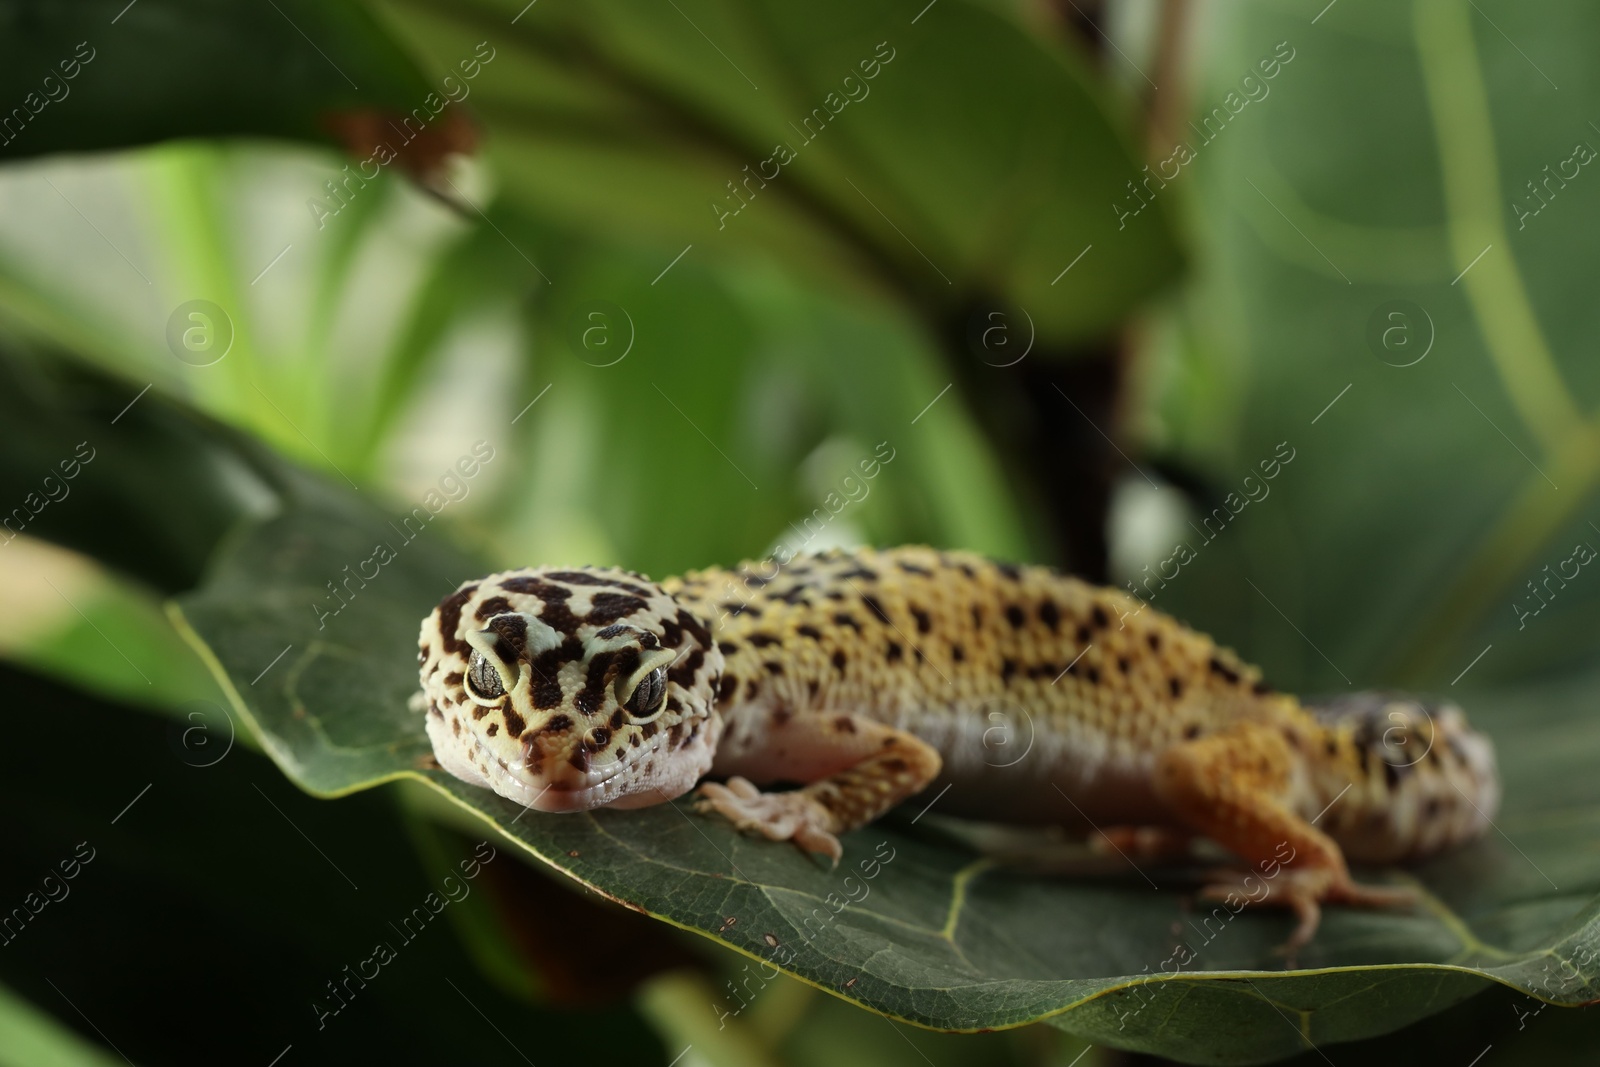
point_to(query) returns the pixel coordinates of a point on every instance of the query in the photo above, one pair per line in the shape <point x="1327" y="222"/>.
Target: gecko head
<point x="565" y="689"/>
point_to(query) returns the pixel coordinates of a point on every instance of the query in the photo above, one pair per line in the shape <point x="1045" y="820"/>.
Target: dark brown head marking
<point x="609" y="607"/>
<point x="450" y="618"/>
<point x="493" y="606"/>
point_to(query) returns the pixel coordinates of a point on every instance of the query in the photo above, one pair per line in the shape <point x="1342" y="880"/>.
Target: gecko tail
<point x="1416" y="777"/>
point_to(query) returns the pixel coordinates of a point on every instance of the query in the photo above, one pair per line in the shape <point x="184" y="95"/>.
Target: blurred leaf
<point x="831" y="1031"/>
<point x="976" y="161"/>
<point x="1501" y="1028"/>
<point x="1424" y="501"/>
<point x="167" y="483"/>
<point x="475" y="271"/>
<point x="945" y="939"/>
<point x="238" y="896"/>
<point x="676" y="428"/>
<point x="684" y="1008"/>
<point x="1382" y="547"/>
<point x="33" y="1039"/>
<point x="98" y="74"/>
<point x="99" y="633"/>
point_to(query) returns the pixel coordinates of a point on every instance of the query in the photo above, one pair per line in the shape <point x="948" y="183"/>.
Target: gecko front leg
<point x="855" y="769"/>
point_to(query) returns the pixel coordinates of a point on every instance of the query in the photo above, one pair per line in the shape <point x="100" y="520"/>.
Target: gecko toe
<point x="1300" y="891"/>
<point x="820" y="841"/>
<point x="1303" y="892"/>
<point x="1373" y="896"/>
<point x="777" y="816"/>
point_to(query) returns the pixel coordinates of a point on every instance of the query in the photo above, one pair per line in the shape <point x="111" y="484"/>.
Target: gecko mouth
<point x="583" y="792"/>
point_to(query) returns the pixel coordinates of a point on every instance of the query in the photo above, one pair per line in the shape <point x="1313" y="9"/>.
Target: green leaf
<point x="1403" y="539"/>
<point x="100" y="74"/>
<point x="203" y="862"/>
<point x="976" y="162"/>
<point x="1501" y="1028"/>
<point x="139" y="482"/>
<point x="132" y="654"/>
<point x="711" y="384"/>
<point x="33" y="1039"/>
<point x="943" y="939"/>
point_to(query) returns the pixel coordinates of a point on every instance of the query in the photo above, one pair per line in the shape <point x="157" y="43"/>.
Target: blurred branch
<point x="1047" y="416"/>
<point x="1059" y="415"/>
<point x="1167" y="106"/>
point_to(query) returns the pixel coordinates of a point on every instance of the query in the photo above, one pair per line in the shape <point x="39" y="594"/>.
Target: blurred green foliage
<point x="776" y="331"/>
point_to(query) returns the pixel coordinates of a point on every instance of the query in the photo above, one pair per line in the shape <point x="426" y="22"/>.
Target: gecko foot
<point x="779" y="816"/>
<point x="1303" y="891"/>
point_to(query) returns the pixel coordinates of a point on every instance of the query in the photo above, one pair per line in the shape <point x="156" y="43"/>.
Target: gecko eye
<point x="648" y="694"/>
<point x="483" y="681"/>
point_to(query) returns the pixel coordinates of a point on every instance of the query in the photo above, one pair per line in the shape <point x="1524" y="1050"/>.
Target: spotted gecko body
<point x="868" y="677"/>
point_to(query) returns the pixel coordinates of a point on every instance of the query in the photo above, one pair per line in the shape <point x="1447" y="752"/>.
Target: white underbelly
<point x="1003" y="766"/>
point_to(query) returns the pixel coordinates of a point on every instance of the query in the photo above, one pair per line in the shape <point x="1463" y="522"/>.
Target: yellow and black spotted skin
<point x="867" y="677"/>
